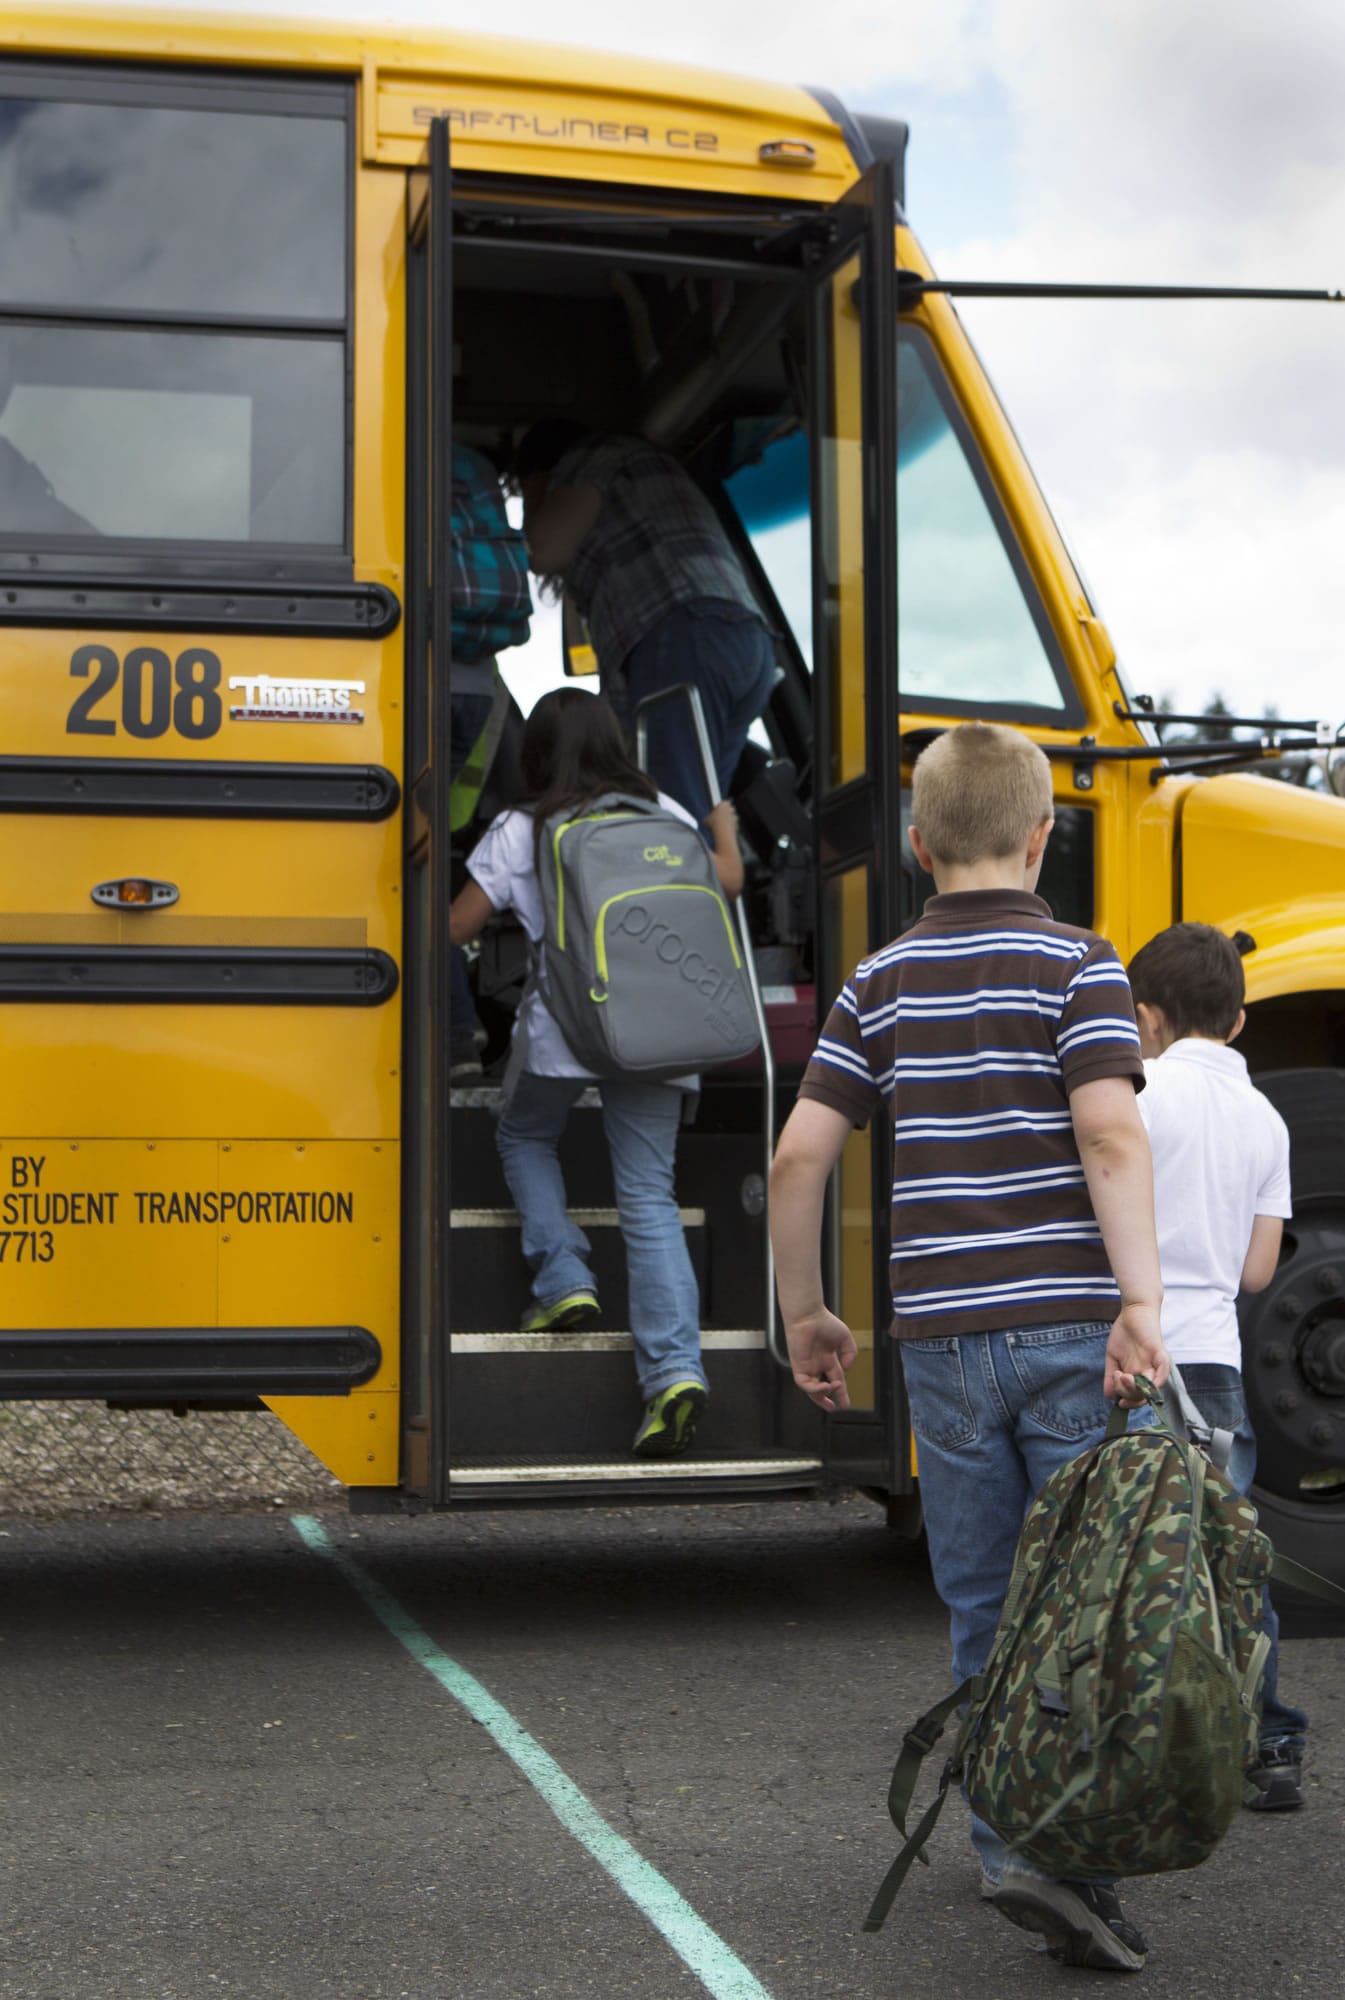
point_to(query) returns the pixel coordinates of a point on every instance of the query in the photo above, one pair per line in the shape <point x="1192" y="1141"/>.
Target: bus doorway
<point x="744" y="339"/>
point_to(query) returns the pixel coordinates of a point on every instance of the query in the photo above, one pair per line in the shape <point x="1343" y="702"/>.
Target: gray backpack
<point x="644" y="975"/>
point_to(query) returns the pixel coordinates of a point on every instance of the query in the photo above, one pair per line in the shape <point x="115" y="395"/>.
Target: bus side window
<point x="131" y="223"/>
<point x="1066" y="874"/>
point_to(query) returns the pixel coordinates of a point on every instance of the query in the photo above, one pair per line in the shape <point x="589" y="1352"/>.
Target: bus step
<point x="635" y="1478"/>
<point x="490" y="1096"/>
<point x="587" y="1218"/>
<point x="489" y="1280"/>
<point x="575" y="1396"/>
<point x="715" y="1339"/>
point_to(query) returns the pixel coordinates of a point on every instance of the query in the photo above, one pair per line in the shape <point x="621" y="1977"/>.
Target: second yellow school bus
<point x="252" y="278"/>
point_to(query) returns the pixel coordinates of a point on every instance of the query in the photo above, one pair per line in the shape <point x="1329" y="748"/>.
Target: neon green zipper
<point x="658" y="889"/>
<point x="586" y="819"/>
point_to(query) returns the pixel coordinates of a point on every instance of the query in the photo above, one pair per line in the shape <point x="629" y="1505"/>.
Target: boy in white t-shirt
<point x="1221" y="1182"/>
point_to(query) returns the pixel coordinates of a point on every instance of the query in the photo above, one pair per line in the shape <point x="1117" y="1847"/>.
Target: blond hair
<point x="980" y="791"/>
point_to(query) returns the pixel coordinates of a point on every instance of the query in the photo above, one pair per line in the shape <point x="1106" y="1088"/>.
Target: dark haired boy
<point x="1221" y="1184"/>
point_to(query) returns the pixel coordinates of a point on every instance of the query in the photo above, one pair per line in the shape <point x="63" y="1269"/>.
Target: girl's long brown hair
<point x="573" y="752"/>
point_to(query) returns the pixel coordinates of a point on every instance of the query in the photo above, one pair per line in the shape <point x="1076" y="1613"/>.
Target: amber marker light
<point x="788" y="153"/>
<point x="135" y="892"/>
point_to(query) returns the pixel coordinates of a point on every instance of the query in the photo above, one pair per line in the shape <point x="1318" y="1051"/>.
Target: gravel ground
<point x="59" y="1460"/>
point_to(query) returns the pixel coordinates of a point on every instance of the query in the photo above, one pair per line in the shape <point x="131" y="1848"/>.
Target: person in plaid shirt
<point x="641" y="552"/>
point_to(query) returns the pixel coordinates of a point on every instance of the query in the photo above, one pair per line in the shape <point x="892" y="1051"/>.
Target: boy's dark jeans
<point x="1217" y="1392"/>
<point x="726" y="653"/>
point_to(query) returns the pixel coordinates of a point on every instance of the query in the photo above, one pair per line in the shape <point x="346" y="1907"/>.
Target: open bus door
<point x="857" y="791"/>
<point x="856" y="783"/>
<point x="490" y="1413"/>
<point x="427" y="865"/>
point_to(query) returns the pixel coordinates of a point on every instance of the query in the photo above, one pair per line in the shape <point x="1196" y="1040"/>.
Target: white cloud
<point x="1195" y="453"/>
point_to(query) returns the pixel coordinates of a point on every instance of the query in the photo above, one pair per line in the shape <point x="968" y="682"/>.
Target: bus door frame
<point x="426" y="1097"/>
<point x="858" y="821"/>
<point x="858" y="811"/>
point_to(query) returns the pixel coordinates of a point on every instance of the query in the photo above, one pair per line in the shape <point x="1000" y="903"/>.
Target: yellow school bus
<point x="253" y="277"/>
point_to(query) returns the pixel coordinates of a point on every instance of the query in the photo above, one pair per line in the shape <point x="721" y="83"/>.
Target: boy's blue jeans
<point x="1217" y="1392"/>
<point x="641" y="1122"/>
<point x="994" y="1414"/>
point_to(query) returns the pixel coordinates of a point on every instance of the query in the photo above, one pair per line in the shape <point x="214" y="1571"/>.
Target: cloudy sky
<point x="1194" y="454"/>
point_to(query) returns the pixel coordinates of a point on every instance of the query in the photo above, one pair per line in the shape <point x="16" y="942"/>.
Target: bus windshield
<point x="972" y="632"/>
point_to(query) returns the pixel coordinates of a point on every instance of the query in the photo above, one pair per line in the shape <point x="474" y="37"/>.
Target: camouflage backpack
<point x="1109" y="1731"/>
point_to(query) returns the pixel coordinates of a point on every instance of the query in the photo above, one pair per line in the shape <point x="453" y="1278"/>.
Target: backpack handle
<point x="1120" y="1413"/>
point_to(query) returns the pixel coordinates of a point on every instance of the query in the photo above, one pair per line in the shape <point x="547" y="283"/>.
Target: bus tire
<point x="1293" y="1335"/>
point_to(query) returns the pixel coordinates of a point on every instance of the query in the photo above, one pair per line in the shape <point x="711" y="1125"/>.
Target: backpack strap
<point x="1021" y="1580"/>
<point x="626" y="802"/>
<point x="1068" y="1686"/>
<point x="1284" y="1570"/>
<point x="1069" y="1682"/>
<point x="916" y="1745"/>
<point x="1187" y="1422"/>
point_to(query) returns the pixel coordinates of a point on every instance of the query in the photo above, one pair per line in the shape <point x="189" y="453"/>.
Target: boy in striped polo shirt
<point x="1025" y="1277"/>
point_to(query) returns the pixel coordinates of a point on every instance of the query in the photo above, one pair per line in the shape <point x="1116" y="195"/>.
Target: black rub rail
<point x="172" y="788"/>
<point x="200" y="975"/>
<point x="306" y="610"/>
<point x="169" y="1363"/>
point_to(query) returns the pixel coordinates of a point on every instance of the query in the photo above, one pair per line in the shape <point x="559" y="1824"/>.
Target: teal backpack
<point x="1109" y="1731"/>
<point x="490" y="597"/>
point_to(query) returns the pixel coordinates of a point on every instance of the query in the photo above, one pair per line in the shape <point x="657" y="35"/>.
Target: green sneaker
<point x="572" y="1310"/>
<point x="670" y="1421"/>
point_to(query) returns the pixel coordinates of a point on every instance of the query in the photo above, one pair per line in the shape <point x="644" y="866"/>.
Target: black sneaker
<point x="561" y="1314"/>
<point x="670" y="1421"/>
<point x="1275" y="1784"/>
<point x="1082" y="1922"/>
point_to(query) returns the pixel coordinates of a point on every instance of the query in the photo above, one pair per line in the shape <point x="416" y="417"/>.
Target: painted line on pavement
<point x="720" y="1971"/>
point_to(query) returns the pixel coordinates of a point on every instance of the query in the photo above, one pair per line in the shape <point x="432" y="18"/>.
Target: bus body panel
<point x="515" y="107"/>
<point x="1246" y="843"/>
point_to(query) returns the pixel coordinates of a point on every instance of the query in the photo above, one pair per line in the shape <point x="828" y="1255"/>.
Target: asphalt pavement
<point x="225" y="1775"/>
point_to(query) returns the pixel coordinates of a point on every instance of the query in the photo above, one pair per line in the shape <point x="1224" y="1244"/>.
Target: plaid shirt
<point x="491" y="601"/>
<point x="657" y="545"/>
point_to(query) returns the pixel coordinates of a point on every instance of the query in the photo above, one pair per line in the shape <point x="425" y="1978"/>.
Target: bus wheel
<point x="1293" y="1336"/>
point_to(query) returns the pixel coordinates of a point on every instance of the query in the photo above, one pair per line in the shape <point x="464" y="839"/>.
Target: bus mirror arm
<point x="913" y="287"/>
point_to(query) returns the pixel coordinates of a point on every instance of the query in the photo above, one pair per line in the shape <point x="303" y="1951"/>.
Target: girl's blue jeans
<point x="640" y="1121"/>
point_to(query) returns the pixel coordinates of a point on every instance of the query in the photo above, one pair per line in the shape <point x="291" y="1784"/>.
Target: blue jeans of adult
<point x="641" y="1122"/>
<point x="728" y="655"/>
<point x="1217" y="1392"/>
<point x="994" y="1415"/>
<point x="467" y="714"/>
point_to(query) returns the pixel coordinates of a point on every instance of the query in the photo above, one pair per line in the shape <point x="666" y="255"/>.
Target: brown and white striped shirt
<point x="975" y="1025"/>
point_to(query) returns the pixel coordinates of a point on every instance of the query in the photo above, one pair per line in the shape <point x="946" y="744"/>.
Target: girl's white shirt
<point x="503" y="866"/>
